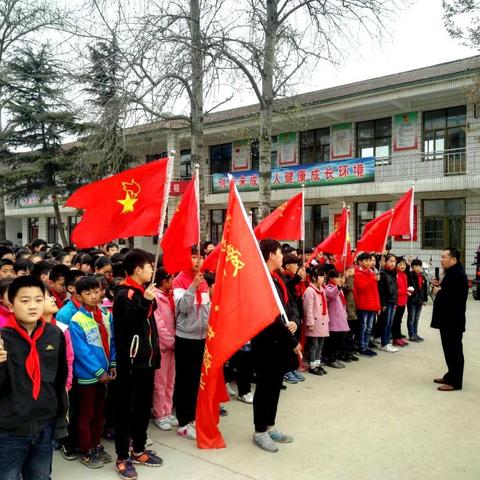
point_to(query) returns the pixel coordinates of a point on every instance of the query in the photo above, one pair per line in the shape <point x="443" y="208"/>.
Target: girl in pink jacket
<point x="4" y="310"/>
<point x="315" y="318"/>
<point x="165" y="376"/>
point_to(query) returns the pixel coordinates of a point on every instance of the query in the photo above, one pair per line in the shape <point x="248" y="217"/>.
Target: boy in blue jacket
<point x="91" y="330"/>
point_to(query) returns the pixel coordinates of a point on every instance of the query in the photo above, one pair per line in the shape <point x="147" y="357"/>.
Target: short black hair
<point x="118" y="269"/>
<point x="87" y="282"/>
<point x="82" y="258"/>
<point x="160" y="275"/>
<point x="268" y="246"/>
<point x="136" y="258"/>
<point x="24" y="282"/>
<point x="58" y="271"/>
<point x="42" y="268"/>
<point x="38" y="242"/>
<point x="315" y="272"/>
<point x="61" y="256"/>
<point x="23" y="264"/>
<point x="5" y="250"/>
<point x="6" y="261"/>
<point x="454" y="253"/>
<point x="4" y="284"/>
<point x="117" y="257"/>
<point x="22" y="253"/>
<point x="110" y="245"/>
<point x="289" y="259"/>
<point x="332" y="273"/>
<point x="400" y="260"/>
<point x="69" y="249"/>
<point x="101" y="262"/>
<point x="209" y="278"/>
<point x="363" y="256"/>
<point x="72" y="277"/>
<point x="416" y="262"/>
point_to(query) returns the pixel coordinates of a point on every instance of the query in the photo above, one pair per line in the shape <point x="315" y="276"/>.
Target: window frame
<point x="375" y="139"/>
<point x="320" y="151"/>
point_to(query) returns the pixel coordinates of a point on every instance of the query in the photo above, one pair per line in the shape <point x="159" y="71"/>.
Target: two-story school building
<point x="364" y="143"/>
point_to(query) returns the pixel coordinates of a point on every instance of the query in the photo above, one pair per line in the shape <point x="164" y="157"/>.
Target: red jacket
<point x="402" y="285"/>
<point x="365" y="290"/>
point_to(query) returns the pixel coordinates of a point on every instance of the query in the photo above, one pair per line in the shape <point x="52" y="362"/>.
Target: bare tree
<point x="462" y="20"/>
<point x="282" y="38"/>
<point x="19" y="20"/>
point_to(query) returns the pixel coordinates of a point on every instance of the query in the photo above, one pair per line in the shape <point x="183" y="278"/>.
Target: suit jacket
<point x="451" y="300"/>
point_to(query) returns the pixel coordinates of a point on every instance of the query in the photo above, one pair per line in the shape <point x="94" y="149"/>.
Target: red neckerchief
<point x="324" y="298"/>
<point x="97" y="315"/>
<point x="76" y="303"/>
<point x="420" y="280"/>
<point x="32" y="363"/>
<point x="58" y="299"/>
<point x="342" y="296"/>
<point x="279" y="280"/>
<point x="132" y="283"/>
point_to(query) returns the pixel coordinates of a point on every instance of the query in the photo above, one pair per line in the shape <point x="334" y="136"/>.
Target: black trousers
<point x="334" y="346"/>
<point x="240" y="368"/>
<point x="453" y="351"/>
<point x="397" y="323"/>
<point x="133" y="390"/>
<point x="188" y="368"/>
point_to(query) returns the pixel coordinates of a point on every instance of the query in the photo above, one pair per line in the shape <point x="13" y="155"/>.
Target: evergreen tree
<point x="39" y="120"/>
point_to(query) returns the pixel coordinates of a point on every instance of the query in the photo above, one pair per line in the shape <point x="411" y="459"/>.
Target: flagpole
<point x="163" y="212"/>
<point x="197" y="194"/>
<point x="302" y="233"/>
<point x="412" y="210"/>
<point x="346" y="239"/>
<point x="382" y="261"/>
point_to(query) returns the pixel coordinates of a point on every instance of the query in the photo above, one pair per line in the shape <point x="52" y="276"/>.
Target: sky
<point x="416" y="37"/>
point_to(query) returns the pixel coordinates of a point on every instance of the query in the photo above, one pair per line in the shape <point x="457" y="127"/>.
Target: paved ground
<point x="380" y="418"/>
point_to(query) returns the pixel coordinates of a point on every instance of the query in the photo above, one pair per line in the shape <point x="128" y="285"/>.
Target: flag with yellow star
<point x="124" y="205"/>
<point x="244" y="302"/>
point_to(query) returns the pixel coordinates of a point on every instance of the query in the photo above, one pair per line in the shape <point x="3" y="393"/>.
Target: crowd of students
<point x="91" y="347"/>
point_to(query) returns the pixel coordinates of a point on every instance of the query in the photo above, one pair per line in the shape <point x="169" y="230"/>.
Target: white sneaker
<point x="247" y="398"/>
<point x="173" y="420"/>
<point x="163" y="423"/>
<point x="231" y="392"/>
<point x="188" y="431"/>
<point x="149" y="442"/>
<point x="389" y="348"/>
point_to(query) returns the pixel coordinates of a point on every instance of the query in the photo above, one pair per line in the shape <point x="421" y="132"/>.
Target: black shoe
<point x="372" y="345"/>
<point x="324" y="372"/>
<point x="315" y="371"/>
<point x="283" y="387"/>
<point x="345" y="358"/>
<point x="68" y="454"/>
<point x="353" y="358"/>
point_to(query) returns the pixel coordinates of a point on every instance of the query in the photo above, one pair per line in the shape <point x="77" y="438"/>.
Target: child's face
<point x="28" y="305"/>
<point x="401" y="267"/>
<point x="22" y="273"/>
<point x="6" y="271"/>
<point x="107" y="270"/>
<point x="50" y="307"/>
<point x="320" y="280"/>
<point x="417" y="268"/>
<point x="196" y="263"/>
<point x="91" y="298"/>
<point x="167" y="284"/>
<point x="144" y="273"/>
<point x="112" y="251"/>
<point x="365" y="263"/>
<point x="292" y="268"/>
<point x="372" y="262"/>
<point x="58" y="285"/>
<point x="86" y="268"/>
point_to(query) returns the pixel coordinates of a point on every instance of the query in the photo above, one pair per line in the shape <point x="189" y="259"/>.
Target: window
<point x="367" y="211"/>
<point x="52" y="230"/>
<point x="374" y="138"/>
<point x="444" y="223"/>
<point x="32" y="229"/>
<point x="185" y="165"/>
<point x="72" y="222"/>
<point x="315" y="146"/>
<point x="217" y="219"/>
<point x="220" y="158"/>
<point x="316" y="224"/>
<point x="444" y="129"/>
<point x="155" y="156"/>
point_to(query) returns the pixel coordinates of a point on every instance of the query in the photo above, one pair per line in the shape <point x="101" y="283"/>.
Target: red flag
<point x="237" y="314"/>
<point x="402" y="223"/>
<point x="210" y="263"/>
<point x="124" y="205"/>
<point x="183" y="232"/>
<point x="336" y="242"/>
<point x="375" y="233"/>
<point x="284" y="223"/>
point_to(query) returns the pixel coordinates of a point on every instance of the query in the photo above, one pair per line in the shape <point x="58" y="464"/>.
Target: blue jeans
<point x="366" y="319"/>
<point x="388" y="313"/>
<point x="414" y="311"/>
<point x="26" y="457"/>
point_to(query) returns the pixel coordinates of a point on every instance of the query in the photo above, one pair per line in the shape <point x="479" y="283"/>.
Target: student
<point x="41" y="270"/>
<point x="64" y="258"/>
<point x="71" y="307"/>
<point x="94" y="366"/>
<point x="387" y="287"/>
<point x="351" y="338"/>
<point x="270" y="349"/>
<point x="6" y="268"/>
<point x="5" y="311"/>
<point x="419" y="296"/>
<point x="192" y="309"/>
<point x="111" y="249"/>
<point x="138" y="356"/>
<point x="6" y="253"/>
<point x="367" y="301"/>
<point x="57" y="283"/>
<point x="315" y="320"/>
<point x="402" y="297"/>
<point x="337" y="313"/>
<point x="165" y="376"/>
<point x="83" y="262"/>
<point x="22" y="267"/>
<point x="103" y="266"/>
<point x="33" y="373"/>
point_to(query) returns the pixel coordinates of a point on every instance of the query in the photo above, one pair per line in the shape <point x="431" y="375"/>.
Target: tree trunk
<point x="3" y="220"/>
<point x="60" y="227"/>
<point x="266" y="113"/>
<point x="196" y="105"/>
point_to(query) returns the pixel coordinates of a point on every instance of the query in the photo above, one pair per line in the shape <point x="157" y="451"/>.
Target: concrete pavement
<point x="379" y="418"/>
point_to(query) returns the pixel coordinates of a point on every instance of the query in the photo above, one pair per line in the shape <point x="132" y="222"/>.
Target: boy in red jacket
<point x="367" y="301"/>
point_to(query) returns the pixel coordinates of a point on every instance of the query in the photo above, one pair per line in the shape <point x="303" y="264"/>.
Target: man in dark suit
<point x="449" y="317"/>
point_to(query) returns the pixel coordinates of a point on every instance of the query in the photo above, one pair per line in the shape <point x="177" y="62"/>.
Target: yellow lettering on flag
<point x="132" y="190"/>
<point x="233" y="256"/>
